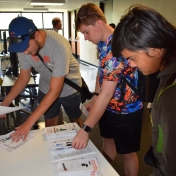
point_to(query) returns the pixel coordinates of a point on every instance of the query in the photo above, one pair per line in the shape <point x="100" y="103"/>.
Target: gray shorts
<point x="70" y="104"/>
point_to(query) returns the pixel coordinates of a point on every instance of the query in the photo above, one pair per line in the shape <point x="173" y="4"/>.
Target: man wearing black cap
<point x="58" y="63"/>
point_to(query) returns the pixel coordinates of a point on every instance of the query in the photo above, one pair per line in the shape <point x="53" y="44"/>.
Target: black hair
<point x="142" y="28"/>
<point x="112" y="25"/>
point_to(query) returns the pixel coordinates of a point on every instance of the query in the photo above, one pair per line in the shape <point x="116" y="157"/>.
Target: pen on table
<point x="64" y="167"/>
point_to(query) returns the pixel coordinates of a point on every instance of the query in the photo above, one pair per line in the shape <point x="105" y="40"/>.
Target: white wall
<point x="166" y="7"/>
<point x="108" y="11"/>
<point x="88" y="51"/>
<point x="66" y="24"/>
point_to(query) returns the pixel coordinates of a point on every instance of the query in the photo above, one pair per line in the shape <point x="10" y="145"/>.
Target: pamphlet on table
<point x="9" y="146"/>
<point x="61" y="131"/>
<point x="68" y="161"/>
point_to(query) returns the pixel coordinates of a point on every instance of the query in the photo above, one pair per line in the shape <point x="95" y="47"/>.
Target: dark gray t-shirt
<point x="57" y="55"/>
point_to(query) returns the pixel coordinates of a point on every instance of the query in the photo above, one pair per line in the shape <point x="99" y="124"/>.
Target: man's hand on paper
<point x="21" y="132"/>
<point x="81" y="139"/>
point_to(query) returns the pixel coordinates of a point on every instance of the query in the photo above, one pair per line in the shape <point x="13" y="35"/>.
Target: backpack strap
<point x="67" y="81"/>
<point x="130" y="85"/>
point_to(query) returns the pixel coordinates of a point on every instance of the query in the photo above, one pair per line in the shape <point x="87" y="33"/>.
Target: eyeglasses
<point x="79" y="19"/>
<point x="18" y="39"/>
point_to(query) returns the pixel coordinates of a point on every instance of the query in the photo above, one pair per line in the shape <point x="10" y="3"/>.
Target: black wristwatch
<point x="86" y="128"/>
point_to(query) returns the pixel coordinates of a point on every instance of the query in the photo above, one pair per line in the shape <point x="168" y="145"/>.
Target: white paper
<point x="61" y="131"/>
<point x="60" y="143"/>
<point x="82" y="166"/>
<point x="101" y="172"/>
<point x="6" y="110"/>
<point x="84" y="110"/>
<point x="9" y="146"/>
<point x="70" y="154"/>
<point x="61" y="151"/>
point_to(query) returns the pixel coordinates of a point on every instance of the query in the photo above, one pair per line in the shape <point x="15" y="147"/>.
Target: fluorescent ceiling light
<point x="35" y="10"/>
<point x="47" y="2"/>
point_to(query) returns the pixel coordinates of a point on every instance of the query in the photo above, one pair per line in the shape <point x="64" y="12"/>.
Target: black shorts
<point x="125" y="129"/>
<point x="70" y="104"/>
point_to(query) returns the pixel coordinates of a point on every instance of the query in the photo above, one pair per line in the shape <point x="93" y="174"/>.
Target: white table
<point x="33" y="159"/>
<point x="9" y="81"/>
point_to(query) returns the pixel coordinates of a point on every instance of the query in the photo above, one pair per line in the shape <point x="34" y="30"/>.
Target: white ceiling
<point x="18" y="5"/>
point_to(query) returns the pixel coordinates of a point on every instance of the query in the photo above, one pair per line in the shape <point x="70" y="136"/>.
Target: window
<point x="4" y="25"/>
<point x="40" y="19"/>
<point x="7" y="19"/>
<point x="36" y="17"/>
<point x="48" y="20"/>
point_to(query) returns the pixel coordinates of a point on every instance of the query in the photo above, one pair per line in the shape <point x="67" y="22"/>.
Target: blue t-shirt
<point x="112" y="69"/>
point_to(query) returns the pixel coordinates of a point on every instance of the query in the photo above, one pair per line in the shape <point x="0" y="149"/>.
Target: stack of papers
<point x="61" y="150"/>
<point x="61" y="131"/>
<point x="66" y="160"/>
<point x="60" y="145"/>
<point x="81" y="167"/>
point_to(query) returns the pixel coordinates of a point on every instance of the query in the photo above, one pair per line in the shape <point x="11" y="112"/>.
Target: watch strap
<point x="86" y="128"/>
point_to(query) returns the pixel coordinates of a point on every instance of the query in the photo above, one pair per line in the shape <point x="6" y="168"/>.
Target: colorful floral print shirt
<point x="112" y="69"/>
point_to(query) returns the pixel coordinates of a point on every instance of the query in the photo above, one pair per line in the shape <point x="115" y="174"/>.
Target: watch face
<point x="86" y="128"/>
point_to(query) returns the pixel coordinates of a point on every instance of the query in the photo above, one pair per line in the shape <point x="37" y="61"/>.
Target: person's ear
<point x="155" y="52"/>
<point x="37" y="34"/>
<point x="99" y="23"/>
